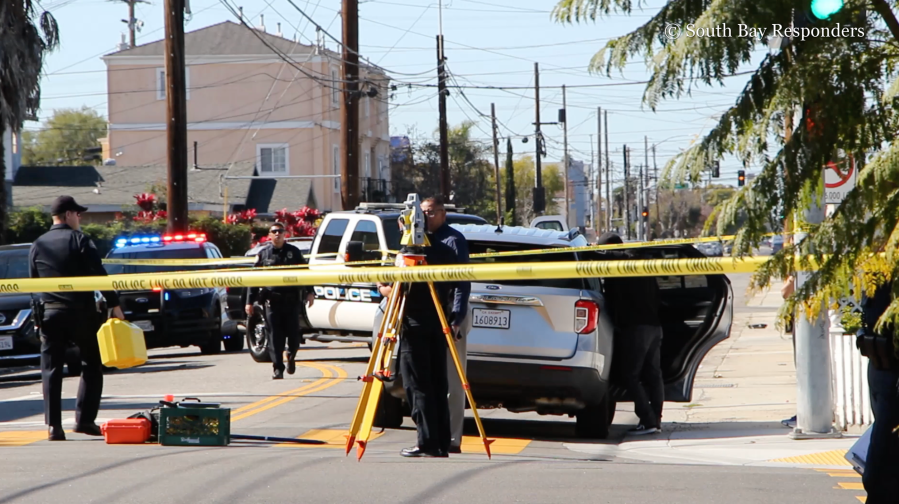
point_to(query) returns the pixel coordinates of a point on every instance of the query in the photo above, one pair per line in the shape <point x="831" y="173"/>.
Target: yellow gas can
<point x="122" y="344"/>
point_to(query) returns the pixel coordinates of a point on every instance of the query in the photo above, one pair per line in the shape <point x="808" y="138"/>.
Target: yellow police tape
<point x="314" y="276"/>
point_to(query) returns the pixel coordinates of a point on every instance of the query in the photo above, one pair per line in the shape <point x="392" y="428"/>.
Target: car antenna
<point x="499" y="227"/>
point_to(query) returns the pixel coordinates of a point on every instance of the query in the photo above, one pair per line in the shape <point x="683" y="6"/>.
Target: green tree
<point x="524" y="172"/>
<point x="64" y="138"/>
<point x="848" y="92"/>
<point x="25" y="38"/>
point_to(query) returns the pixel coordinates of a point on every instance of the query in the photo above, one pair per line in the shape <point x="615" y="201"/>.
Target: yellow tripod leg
<point x="452" y="348"/>
<point x="369" y="372"/>
<point x="375" y="386"/>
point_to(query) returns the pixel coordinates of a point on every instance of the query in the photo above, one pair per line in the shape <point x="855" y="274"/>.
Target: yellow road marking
<point x="827" y="458"/>
<point x="862" y="498"/>
<point x="502" y="446"/>
<point x="335" y="438"/>
<point x="840" y="473"/>
<point x="850" y="485"/>
<point x="21" y="438"/>
<point x="271" y="402"/>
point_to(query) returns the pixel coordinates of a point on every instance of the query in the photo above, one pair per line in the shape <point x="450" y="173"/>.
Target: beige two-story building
<point x="246" y="103"/>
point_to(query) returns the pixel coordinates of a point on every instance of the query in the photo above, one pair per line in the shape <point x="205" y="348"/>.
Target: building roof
<point x="106" y="186"/>
<point x="271" y="195"/>
<point x="230" y="39"/>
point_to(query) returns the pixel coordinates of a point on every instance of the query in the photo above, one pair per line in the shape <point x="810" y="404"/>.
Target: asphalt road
<point x="532" y="461"/>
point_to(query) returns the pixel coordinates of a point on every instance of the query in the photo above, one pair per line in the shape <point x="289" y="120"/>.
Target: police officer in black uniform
<point x="282" y="304"/>
<point x="69" y="317"/>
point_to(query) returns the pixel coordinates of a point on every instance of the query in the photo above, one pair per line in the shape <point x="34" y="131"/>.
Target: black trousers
<point x="80" y="327"/>
<point x="423" y="367"/>
<point x="881" y="478"/>
<point x="283" y="318"/>
<point x="643" y="371"/>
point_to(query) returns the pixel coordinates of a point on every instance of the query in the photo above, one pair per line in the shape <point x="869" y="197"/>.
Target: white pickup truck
<point x="346" y="313"/>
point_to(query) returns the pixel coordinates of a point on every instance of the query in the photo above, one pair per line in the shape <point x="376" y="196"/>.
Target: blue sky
<point x="488" y="43"/>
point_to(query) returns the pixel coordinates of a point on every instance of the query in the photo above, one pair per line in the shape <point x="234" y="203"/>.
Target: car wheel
<point x="593" y="421"/>
<point x="390" y="412"/>
<point x="257" y="338"/>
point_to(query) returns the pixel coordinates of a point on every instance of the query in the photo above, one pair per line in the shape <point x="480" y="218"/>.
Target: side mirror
<point x="354" y="252"/>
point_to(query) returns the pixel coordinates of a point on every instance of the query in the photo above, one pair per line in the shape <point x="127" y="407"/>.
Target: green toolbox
<point x="194" y="424"/>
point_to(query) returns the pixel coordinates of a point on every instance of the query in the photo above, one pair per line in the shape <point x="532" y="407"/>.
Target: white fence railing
<point x="852" y="398"/>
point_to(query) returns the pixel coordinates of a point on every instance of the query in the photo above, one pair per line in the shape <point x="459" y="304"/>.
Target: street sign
<point x="839" y="179"/>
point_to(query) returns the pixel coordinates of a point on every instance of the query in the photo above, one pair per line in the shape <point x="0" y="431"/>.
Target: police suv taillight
<point x="586" y="315"/>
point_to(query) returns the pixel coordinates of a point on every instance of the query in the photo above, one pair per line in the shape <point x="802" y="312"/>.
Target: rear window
<point x="331" y="238"/>
<point x="558" y="283"/>
<point x="161" y="253"/>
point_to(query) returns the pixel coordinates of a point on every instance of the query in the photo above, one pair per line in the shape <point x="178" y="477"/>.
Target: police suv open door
<point x="696" y="315"/>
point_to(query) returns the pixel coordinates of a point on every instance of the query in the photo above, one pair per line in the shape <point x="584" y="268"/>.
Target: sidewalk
<point x="745" y="386"/>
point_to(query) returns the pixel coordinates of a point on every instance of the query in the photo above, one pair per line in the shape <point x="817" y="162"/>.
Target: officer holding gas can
<point x="282" y="304"/>
<point x="65" y="317"/>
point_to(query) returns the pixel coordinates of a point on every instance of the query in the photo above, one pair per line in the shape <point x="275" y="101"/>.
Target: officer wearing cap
<point x="282" y="304"/>
<point x="64" y="251"/>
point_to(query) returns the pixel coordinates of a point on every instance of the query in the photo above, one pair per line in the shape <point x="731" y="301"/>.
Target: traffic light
<point x="716" y="169"/>
<point x="824" y="9"/>
<point x="741" y="178"/>
<point x="645" y="214"/>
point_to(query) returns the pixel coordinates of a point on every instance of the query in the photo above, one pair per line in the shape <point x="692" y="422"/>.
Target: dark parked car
<point x="178" y="317"/>
<point x="20" y="344"/>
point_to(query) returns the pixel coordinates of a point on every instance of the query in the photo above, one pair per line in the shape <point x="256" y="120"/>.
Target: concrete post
<point x="814" y="408"/>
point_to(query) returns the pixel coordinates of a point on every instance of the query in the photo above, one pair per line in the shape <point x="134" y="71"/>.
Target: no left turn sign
<point x="839" y="179"/>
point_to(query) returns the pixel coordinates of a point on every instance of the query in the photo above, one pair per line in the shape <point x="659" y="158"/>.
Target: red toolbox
<point x="126" y="431"/>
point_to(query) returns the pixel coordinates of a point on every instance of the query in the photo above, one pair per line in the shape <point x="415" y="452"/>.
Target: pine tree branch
<point x="886" y="13"/>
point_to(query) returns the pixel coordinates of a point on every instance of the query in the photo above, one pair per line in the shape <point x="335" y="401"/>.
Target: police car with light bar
<point x="180" y="317"/>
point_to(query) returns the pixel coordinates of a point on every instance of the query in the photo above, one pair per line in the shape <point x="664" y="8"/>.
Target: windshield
<point x="161" y="253"/>
<point x="14" y="264"/>
<point x="560" y="283"/>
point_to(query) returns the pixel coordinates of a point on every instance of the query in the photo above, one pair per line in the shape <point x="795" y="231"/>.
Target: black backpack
<point x="878" y="348"/>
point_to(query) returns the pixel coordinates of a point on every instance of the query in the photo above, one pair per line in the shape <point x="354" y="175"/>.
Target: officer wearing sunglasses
<point x="282" y="304"/>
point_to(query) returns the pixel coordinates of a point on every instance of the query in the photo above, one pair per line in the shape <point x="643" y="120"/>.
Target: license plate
<point x="494" y="319"/>
<point x="145" y="325"/>
<point x="5" y="342"/>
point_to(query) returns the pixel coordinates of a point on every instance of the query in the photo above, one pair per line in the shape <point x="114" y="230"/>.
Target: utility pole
<point x="132" y="22"/>
<point x="627" y="203"/>
<point x="564" y="120"/>
<point x="602" y="221"/>
<point x="655" y="170"/>
<point x="591" y="185"/>
<point x="349" y="109"/>
<point x="539" y="191"/>
<point x="499" y="201"/>
<point x="646" y="184"/>
<point x="176" y="111"/>
<point x="608" y="176"/>
<point x="641" y="231"/>
<point x="441" y="109"/>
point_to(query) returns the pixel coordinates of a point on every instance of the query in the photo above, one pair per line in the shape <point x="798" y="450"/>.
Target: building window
<point x="335" y="88"/>
<point x="335" y="163"/>
<point x="366" y="165"/>
<point x="272" y="158"/>
<point x="161" y="87"/>
<point x="366" y="104"/>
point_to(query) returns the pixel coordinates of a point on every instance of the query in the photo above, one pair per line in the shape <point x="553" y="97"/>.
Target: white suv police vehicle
<point x="548" y="346"/>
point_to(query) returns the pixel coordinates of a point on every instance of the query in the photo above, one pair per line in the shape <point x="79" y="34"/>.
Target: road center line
<point x="326" y="381"/>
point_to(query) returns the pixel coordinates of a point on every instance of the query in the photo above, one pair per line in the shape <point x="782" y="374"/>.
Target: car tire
<point x="390" y="412"/>
<point x="593" y="421"/>
<point x="258" y="337"/>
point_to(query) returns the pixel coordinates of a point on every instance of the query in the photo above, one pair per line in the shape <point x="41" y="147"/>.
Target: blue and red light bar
<point x="167" y="238"/>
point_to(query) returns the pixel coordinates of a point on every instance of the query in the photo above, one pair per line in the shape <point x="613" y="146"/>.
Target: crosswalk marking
<point x="846" y="485"/>
<point x="21" y="438"/>
<point x="852" y="485"/>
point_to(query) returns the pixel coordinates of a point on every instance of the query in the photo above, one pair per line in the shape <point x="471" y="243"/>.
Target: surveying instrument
<point x="378" y="371"/>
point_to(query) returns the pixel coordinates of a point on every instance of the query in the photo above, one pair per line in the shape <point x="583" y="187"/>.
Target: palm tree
<point x="25" y="38"/>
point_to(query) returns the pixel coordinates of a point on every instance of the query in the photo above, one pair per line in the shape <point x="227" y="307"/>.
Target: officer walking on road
<point x="64" y="251"/>
<point x="282" y="304"/>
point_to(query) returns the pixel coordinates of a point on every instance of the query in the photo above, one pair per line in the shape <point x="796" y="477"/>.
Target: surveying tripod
<point x="378" y="370"/>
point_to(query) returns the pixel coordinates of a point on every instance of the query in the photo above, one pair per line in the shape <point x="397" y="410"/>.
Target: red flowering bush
<point x="149" y="209"/>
